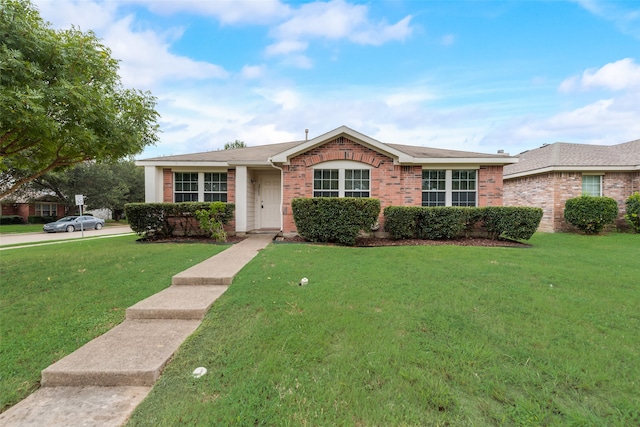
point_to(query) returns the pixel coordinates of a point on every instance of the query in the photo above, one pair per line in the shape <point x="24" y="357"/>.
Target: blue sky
<point x="467" y="75"/>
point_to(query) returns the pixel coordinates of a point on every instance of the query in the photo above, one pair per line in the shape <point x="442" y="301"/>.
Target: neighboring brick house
<point x="263" y="180"/>
<point x="547" y="176"/>
<point x="45" y="206"/>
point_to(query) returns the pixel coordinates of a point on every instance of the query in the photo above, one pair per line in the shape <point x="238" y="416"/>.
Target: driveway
<point x="20" y="238"/>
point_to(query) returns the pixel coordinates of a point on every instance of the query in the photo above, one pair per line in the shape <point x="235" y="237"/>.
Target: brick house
<point x="547" y="176"/>
<point x="263" y="180"/>
<point x="45" y="206"/>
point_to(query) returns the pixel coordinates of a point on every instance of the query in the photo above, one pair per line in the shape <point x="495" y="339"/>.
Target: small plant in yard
<point x="212" y="220"/>
<point x="633" y="211"/>
<point x="590" y="214"/>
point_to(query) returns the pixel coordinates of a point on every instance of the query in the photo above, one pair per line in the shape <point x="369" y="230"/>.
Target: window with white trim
<point x="450" y="187"/>
<point x="433" y="187"/>
<point x="46" y="209"/>
<point x="326" y="183"/>
<point x="463" y="188"/>
<point x="356" y="183"/>
<point x="185" y="187"/>
<point x="215" y="187"/>
<point x="341" y="179"/>
<point x="592" y="185"/>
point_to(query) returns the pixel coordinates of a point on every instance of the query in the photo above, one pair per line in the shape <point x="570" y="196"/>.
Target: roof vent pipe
<point x="306" y="134"/>
<point x="500" y="151"/>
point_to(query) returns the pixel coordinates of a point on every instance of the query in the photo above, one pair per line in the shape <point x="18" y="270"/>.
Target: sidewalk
<point x="101" y="383"/>
<point x="42" y="238"/>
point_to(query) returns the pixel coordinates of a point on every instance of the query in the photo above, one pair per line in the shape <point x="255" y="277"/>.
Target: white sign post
<point x="80" y="203"/>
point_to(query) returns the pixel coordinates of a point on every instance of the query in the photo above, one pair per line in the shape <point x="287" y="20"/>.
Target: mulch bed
<point x="364" y="242"/>
<point x="377" y="242"/>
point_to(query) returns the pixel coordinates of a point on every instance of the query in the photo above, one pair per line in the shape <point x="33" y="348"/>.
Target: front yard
<point x="427" y="335"/>
<point x="424" y="335"/>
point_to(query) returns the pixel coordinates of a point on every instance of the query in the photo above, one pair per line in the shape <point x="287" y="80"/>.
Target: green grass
<point x="20" y="228"/>
<point x="414" y="336"/>
<point x="54" y="299"/>
<point x="36" y="228"/>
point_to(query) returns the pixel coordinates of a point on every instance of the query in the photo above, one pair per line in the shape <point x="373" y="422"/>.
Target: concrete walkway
<point x="101" y="383"/>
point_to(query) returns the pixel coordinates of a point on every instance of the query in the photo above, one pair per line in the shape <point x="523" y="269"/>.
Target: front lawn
<point x="426" y="335"/>
<point x="56" y="298"/>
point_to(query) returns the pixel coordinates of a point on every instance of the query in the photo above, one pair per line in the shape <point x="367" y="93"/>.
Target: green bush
<point x="159" y="220"/>
<point x="37" y="219"/>
<point x="517" y="223"/>
<point x="633" y="212"/>
<point x="400" y="221"/>
<point x="440" y="222"/>
<point x="590" y="214"/>
<point x="211" y="220"/>
<point x="10" y="219"/>
<point x="330" y="219"/>
<point x="434" y="223"/>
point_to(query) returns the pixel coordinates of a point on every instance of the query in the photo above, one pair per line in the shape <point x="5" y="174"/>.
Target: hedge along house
<point x="262" y="181"/>
<point x="548" y="176"/>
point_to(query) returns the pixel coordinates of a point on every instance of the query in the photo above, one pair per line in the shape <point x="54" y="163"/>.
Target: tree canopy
<point x="235" y="144"/>
<point x="109" y="186"/>
<point x="61" y="100"/>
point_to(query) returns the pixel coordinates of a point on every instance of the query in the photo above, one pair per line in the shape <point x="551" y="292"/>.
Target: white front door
<point x="268" y="201"/>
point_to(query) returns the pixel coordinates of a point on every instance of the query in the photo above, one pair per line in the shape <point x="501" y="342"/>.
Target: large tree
<point x="104" y="185"/>
<point x="61" y="100"/>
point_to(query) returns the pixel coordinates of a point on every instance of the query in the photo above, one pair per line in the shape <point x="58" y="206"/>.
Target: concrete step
<point x="185" y="302"/>
<point x="222" y="268"/>
<point x="131" y="354"/>
<point x="75" y="406"/>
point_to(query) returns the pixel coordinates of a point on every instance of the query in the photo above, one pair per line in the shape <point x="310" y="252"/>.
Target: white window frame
<point x="53" y="207"/>
<point x="341" y="166"/>
<point x="217" y="194"/>
<point x="448" y="197"/>
<point x="587" y="193"/>
<point x="201" y="185"/>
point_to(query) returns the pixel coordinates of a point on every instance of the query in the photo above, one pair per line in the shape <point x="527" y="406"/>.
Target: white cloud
<point x="284" y="47"/>
<point x="146" y="60"/>
<point x="623" y="14"/>
<point x="334" y="20"/>
<point x="226" y="11"/>
<point x="620" y="75"/>
<point x="252" y="71"/>
<point x="448" y="39"/>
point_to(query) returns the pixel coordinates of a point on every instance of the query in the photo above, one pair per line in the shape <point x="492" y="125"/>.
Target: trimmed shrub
<point x="160" y="220"/>
<point x="434" y="223"/>
<point x="633" y="212"/>
<point x="10" y="219"/>
<point x="590" y="214"/>
<point x="36" y="219"/>
<point x="330" y="219"/>
<point x="517" y="223"/>
<point x="400" y="221"/>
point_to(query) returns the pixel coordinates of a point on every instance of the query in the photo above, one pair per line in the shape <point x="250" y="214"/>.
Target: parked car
<point x="73" y="223"/>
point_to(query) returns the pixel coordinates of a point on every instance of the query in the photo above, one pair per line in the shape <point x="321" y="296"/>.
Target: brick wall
<point x="490" y="186"/>
<point x="391" y="184"/>
<point x="552" y="190"/>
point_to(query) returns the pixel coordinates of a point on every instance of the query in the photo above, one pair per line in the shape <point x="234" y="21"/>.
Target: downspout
<point x="281" y="193"/>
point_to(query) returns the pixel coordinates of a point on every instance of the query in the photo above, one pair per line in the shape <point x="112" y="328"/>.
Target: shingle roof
<point x="263" y="152"/>
<point x="258" y="153"/>
<point x="566" y="156"/>
<point x="428" y="152"/>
